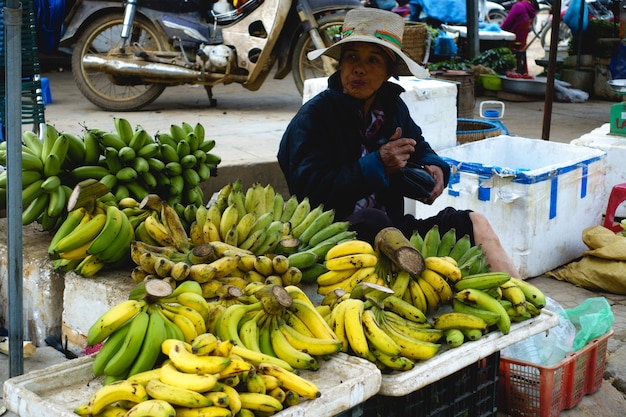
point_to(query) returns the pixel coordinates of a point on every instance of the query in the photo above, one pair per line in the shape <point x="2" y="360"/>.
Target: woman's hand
<point x="437" y="174"/>
<point x="395" y="153"/>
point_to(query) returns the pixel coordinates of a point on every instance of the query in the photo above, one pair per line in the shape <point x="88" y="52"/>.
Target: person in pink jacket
<point x="519" y="19"/>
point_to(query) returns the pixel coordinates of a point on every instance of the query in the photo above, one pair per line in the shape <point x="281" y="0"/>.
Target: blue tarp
<point x="447" y="11"/>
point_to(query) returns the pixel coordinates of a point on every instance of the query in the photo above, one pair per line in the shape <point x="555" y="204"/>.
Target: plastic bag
<point x="546" y="348"/>
<point x="592" y="318"/>
<point x="573" y="15"/>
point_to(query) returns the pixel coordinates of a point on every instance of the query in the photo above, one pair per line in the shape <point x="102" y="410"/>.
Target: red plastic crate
<point x="531" y="390"/>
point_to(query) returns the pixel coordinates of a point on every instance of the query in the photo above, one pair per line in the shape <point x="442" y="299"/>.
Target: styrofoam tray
<point x="345" y="381"/>
<point x="448" y="361"/>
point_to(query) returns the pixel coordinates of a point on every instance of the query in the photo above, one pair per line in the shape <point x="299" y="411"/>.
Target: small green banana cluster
<point x="279" y="323"/>
<point x="45" y="186"/>
<point x="376" y="325"/>
<point x="134" y="164"/>
<point x="131" y="332"/>
<point x="204" y="377"/>
<point x="469" y="258"/>
<point x="89" y="240"/>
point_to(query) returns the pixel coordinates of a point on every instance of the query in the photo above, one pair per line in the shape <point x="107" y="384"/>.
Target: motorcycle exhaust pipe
<point x="165" y="73"/>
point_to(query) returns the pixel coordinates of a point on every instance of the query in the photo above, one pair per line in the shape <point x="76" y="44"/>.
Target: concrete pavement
<point x="247" y="127"/>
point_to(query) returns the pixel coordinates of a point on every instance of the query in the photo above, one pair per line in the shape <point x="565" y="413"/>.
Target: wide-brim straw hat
<point x="375" y="26"/>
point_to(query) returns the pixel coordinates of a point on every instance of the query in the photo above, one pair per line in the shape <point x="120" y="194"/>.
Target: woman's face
<point x="364" y="68"/>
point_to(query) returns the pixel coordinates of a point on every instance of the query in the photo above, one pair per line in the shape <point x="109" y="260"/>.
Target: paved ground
<point x="247" y="127"/>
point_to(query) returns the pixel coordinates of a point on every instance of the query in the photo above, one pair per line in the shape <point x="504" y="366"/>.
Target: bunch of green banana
<point x="470" y="259"/>
<point x="45" y="186"/>
<point x="382" y="328"/>
<point x="87" y="241"/>
<point x="348" y="263"/>
<point x="132" y="332"/>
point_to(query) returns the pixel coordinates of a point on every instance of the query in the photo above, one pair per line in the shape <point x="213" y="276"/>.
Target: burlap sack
<point x="602" y="267"/>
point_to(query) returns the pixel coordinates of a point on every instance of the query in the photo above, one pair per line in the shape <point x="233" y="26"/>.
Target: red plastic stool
<point x="618" y="196"/>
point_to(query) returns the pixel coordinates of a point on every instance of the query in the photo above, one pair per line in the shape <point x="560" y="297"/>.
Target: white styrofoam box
<point x="344" y="381"/>
<point x="449" y="361"/>
<point x="84" y="300"/>
<point x="42" y="286"/>
<point x="537" y="195"/>
<point x="615" y="148"/>
<point x="432" y="104"/>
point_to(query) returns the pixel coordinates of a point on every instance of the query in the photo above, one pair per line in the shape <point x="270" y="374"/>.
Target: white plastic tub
<point x="345" y="381"/>
<point x="538" y="195"/>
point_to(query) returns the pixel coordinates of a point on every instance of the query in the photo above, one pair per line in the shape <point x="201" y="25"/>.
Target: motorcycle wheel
<point x="304" y="69"/>
<point x="102" y="37"/>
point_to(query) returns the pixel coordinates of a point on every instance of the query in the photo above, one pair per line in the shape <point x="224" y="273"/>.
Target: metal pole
<point x="554" y="45"/>
<point x="471" y="17"/>
<point x="13" y="120"/>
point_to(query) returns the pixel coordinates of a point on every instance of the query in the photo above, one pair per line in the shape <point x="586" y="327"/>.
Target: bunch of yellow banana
<point x="280" y="323"/>
<point x="348" y="263"/>
<point x="469" y="258"/>
<point x="131" y="332"/>
<point x="205" y="377"/>
<point x="262" y="221"/>
<point x="87" y="241"/>
<point x="376" y="325"/>
<point x="45" y="162"/>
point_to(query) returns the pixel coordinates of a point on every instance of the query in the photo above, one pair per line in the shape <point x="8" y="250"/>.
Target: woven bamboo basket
<point x="415" y="43"/>
<point x="470" y="130"/>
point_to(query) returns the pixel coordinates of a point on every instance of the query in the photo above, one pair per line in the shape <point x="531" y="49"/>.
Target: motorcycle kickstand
<point x="209" y="91"/>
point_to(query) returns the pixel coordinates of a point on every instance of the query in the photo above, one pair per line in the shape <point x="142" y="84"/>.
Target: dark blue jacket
<point x="320" y="152"/>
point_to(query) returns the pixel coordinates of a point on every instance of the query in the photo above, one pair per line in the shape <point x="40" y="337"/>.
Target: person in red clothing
<point x="518" y="20"/>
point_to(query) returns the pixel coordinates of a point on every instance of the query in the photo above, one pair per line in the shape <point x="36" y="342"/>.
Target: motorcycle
<point x="124" y="54"/>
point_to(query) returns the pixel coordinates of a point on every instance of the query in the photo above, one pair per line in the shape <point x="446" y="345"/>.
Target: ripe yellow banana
<point x="411" y="329"/>
<point x="210" y="411"/>
<point x="379" y="340"/>
<point x="361" y="260"/>
<point x="188" y="362"/>
<point x="157" y="231"/>
<point x="204" y="344"/>
<point x="312" y="319"/>
<point x="456" y="320"/>
<point x="350" y="247"/>
<point x="193" y="315"/>
<point x="515" y="295"/>
<point x="284" y="350"/>
<point x="417" y="296"/>
<point x="290" y="380"/>
<point x="176" y="395"/>
<point x="260" y="402"/>
<point x="444" y="267"/>
<point x="432" y="297"/>
<point x="199" y="382"/>
<point x="152" y="408"/>
<point x="313" y="345"/>
<point x="412" y="348"/>
<point x="112" y="319"/>
<point x="439" y="284"/>
<point x="354" y="329"/>
<point x="532" y="293"/>
<point x="114" y="392"/>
